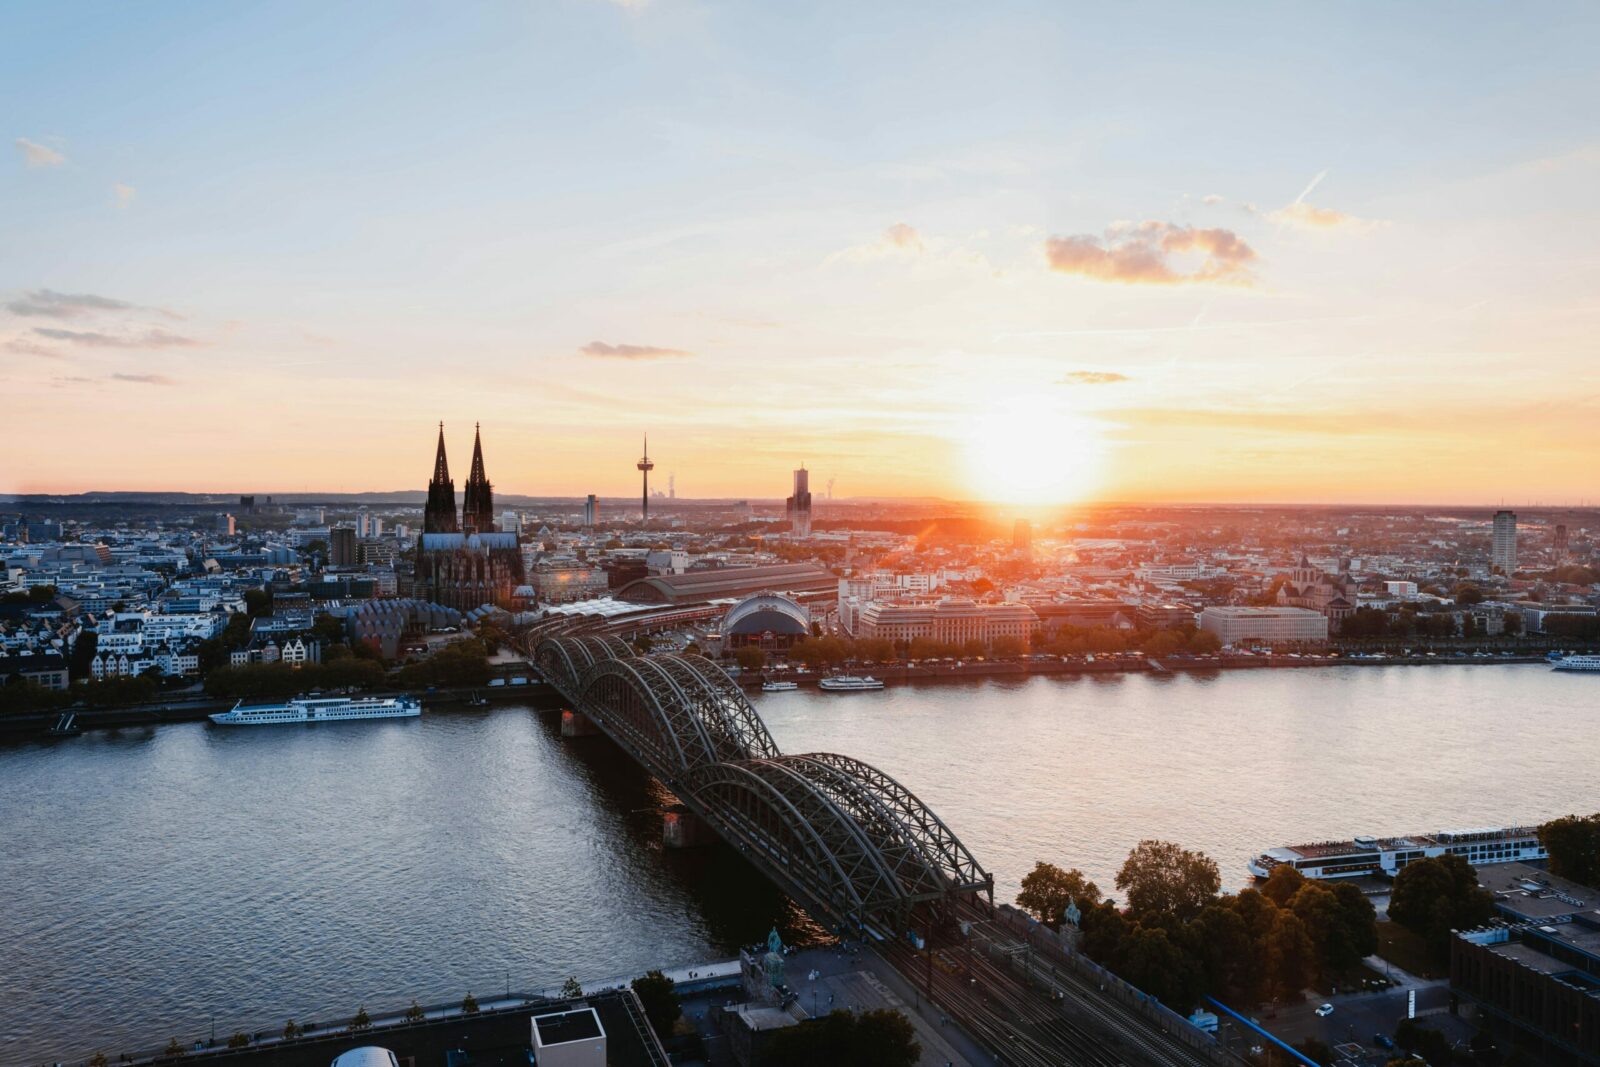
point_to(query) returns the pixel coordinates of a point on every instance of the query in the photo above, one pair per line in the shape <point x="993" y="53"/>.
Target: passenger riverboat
<point x="320" y="709"/>
<point x="1388" y="855"/>
<point x="849" y="683"/>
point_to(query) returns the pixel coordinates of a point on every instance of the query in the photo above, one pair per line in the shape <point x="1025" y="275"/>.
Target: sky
<point x="1042" y="253"/>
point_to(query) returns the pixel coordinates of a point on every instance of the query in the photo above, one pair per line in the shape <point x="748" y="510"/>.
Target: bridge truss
<point x="846" y="840"/>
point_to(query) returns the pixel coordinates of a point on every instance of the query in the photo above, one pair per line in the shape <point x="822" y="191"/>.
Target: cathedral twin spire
<point x="477" y="511"/>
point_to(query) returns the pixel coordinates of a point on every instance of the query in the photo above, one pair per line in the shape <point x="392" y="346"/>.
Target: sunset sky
<point x="988" y="251"/>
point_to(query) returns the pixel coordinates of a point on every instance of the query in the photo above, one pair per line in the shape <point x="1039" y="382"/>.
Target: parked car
<point x="1324" y="1011"/>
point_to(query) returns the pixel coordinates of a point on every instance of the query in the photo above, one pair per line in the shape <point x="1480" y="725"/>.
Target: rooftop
<point x="579" y="1024"/>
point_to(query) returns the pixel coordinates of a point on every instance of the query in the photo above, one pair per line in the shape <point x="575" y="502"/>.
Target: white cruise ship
<point x="320" y="709"/>
<point x="1576" y="663"/>
<point x="779" y="687"/>
<point x="849" y="683"/>
<point x="1386" y="855"/>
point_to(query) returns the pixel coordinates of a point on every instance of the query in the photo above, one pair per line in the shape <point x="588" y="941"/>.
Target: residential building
<point x="1503" y="553"/>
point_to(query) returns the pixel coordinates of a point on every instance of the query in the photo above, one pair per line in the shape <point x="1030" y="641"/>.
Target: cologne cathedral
<point x="464" y="562"/>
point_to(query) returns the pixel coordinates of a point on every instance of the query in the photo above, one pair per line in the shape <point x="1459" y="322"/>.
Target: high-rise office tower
<point x="1504" y="554"/>
<point x="798" y="506"/>
<point x="591" y="510"/>
<point x="342" y="546"/>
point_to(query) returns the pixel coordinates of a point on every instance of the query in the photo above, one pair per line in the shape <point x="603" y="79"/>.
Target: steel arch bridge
<point x="848" y="841"/>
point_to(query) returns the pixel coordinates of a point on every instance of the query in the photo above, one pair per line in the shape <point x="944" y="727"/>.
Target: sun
<point x="1030" y="450"/>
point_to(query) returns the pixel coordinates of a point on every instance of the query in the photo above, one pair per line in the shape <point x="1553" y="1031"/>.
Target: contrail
<point x="1307" y="190"/>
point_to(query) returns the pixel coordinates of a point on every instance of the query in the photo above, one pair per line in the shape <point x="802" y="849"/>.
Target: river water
<point x="152" y="880"/>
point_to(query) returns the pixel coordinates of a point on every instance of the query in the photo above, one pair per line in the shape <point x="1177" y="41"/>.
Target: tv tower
<point x="645" y="467"/>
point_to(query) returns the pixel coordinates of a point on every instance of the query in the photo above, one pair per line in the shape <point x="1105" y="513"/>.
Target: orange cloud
<point x="1310" y="217"/>
<point x="1143" y="254"/>
<point x="606" y="351"/>
<point x="1093" y="377"/>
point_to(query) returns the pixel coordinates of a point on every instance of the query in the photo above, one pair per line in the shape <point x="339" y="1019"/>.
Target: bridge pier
<point x="682" y="828"/>
<point x="574" y="724"/>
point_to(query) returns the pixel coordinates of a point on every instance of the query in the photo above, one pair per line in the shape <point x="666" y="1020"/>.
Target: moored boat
<point x="1386" y="856"/>
<point x="849" y="683"/>
<point x="320" y="709"/>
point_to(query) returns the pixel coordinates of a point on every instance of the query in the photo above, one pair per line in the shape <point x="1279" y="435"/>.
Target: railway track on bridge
<point x="855" y="847"/>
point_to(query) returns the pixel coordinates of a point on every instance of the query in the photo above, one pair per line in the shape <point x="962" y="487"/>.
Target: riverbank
<point x="540" y="695"/>
<point x="195" y="709"/>
<point x="1116" y="662"/>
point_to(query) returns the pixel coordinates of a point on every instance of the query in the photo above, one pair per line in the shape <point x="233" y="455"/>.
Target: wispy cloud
<point x="1144" y="253"/>
<point x="35" y="154"/>
<point x="144" y="379"/>
<point x="124" y="194"/>
<point x="1093" y="377"/>
<point x="51" y="304"/>
<point x="608" y="351"/>
<point x="25" y="347"/>
<point x="96" y="339"/>
<point x="901" y="239"/>
<point x="1308" y="216"/>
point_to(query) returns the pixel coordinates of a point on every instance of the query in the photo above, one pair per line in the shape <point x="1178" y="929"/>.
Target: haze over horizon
<point x="1153" y="254"/>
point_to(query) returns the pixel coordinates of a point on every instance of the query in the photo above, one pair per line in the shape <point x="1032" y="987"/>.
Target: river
<point x="156" y="879"/>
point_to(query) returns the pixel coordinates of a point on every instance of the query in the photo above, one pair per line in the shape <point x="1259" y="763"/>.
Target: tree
<point x="292" y="1030"/>
<point x="657" y="994"/>
<point x="1104" y="932"/>
<point x="1468" y="594"/>
<point x="257" y="602"/>
<point x="1160" y="966"/>
<point x="1047" y="890"/>
<point x="749" y="658"/>
<point x="1222" y="944"/>
<point x="1007" y="647"/>
<point x="1204" y="643"/>
<point x="361" y="1020"/>
<point x="881" y="1038"/>
<point x="240" y="1039"/>
<point x="1166" y="884"/>
<point x="1282" y="884"/>
<point x="1433" y="896"/>
<point x="99" y="1060"/>
<point x="415" y="1014"/>
<point x="1336" y="929"/>
<point x="571" y="989"/>
<point x="1574" y="845"/>
<point x="469" y="1004"/>
<point x="1359" y="920"/>
<point x="173" y="1048"/>
<point x="1289" y="956"/>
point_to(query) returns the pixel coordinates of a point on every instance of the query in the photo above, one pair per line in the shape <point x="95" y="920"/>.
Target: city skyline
<point x="998" y="256"/>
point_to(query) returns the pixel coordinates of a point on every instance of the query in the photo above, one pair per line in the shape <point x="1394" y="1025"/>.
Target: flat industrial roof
<point x="580" y="1024"/>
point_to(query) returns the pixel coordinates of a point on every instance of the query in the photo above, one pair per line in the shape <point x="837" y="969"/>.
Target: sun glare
<point x="1027" y="450"/>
